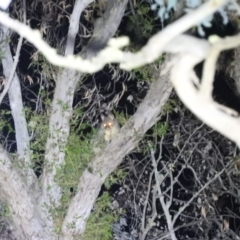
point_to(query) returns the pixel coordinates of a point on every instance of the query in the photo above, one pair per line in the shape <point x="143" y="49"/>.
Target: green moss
<point x="99" y="225"/>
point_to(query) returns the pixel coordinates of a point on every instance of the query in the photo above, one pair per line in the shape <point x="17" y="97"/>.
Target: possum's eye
<point x="109" y="124"/>
<point x="104" y="124"/>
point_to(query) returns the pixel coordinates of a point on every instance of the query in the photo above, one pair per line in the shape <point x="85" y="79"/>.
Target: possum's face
<point x="107" y="123"/>
<point x="109" y="127"/>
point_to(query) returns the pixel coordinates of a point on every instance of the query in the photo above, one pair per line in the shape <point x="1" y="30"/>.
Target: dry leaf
<point x="203" y="211"/>
<point x="29" y="79"/>
<point x="215" y="197"/>
<point x="225" y="225"/>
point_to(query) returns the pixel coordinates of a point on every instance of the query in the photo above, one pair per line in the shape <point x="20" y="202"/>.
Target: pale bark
<point x="79" y="6"/>
<point x="200" y="102"/>
<point x="90" y="182"/>
<point x="4" y="4"/>
<point x="17" y="110"/>
<point x="104" y="29"/>
<point x="22" y="201"/>
<point x="62" y="108"/>
<point x="236" y="69"/>
<point x="149" y="53"/>
<point x="59" y="122"/>
<point x="71" y="62"/>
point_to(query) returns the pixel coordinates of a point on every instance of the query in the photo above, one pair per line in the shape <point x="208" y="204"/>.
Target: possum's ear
<point x="102" y="117"/>
<point x="111" y="115"/>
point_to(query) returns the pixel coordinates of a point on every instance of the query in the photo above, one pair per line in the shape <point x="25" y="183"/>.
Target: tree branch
<point x="149" y="53"/>
<point x="90" y="182"/>
<point x="105" y="28"/>
<point x="79" y="6"/>
<point x="21" y="200"/>
<point x="15" y="98"/>
<point x="201" y="102"/>
<point x="61" y="114"/>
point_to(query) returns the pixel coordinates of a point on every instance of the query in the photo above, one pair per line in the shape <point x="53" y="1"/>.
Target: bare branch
<point x="105" y="27"/>
<point x="159" y="178"/>
<point x="14" y="66"/>
<point x="197" y="193"/>
<point x="201" y="102"/>
<point x="145" y="229"/>
<point x="110" y="54"/>
<point x="147" y="54"/>
<point x="79" y="6"/>
<point x="16" y="59"/>
<point x="15" y="97"/>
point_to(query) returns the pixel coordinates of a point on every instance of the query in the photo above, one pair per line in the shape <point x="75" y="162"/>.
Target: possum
<point x="109" y="127"/>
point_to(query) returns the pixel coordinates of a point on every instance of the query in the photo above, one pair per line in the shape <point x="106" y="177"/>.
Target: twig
<point x="147" y="54"/>
<point x="165" y="206"/>
<point x="197" y="193"/>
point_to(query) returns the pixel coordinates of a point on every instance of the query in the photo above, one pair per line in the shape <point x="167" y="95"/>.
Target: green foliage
<point x="77" y="117"/>
<point x="145" y="73"/>
<point x="38" y="128"/>
<point x="160" y="129"/>
<point x="236" y="165"/>
<point x="157" y="131"/>
<point x="38" y="125"/>
<point x="40" y="64"/>
<point x="5" y="40"/>
<point x="145" y="147"/>
<point x="140" y="27"/>
<point x="5" y="210"/>
<point x="140" y="24"/>
<point x="115" y="177"/>
<point x="99" y="225"/>
<point x="4" y="122"/>
<point x="169" y="106"/>
<point x="122" y="118"/>
<point x="1" y="54"/>
<point x="78" y="155"/>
